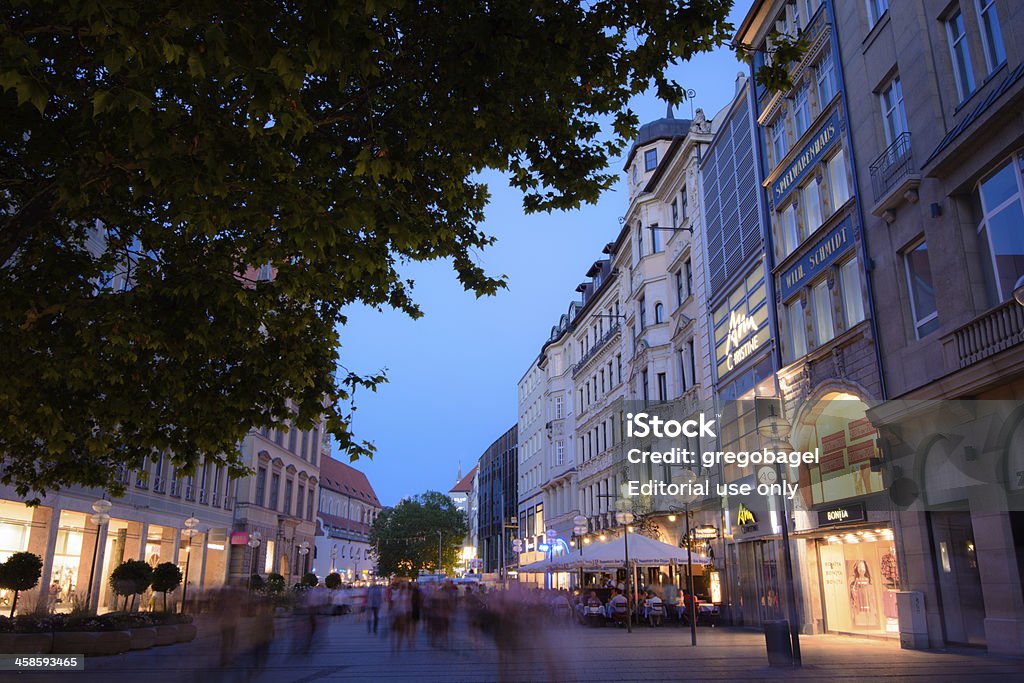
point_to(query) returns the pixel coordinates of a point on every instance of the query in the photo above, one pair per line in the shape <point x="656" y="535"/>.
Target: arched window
<point x="659" y="313"/>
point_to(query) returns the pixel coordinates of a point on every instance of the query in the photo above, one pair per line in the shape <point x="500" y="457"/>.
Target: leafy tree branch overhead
<point x="155" y="154"/>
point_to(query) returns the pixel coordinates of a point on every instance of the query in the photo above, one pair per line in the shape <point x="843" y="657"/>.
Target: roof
<point x="346" y="480"/>
<point x="661" y="129"/>
<point x="465" y="484"/>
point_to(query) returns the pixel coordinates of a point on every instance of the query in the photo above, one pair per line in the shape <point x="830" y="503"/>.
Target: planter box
<point x="186" y="632"/>
<point x="26" y="643"/>
<point x="143" y="638"/>
<point x="167" y="634"/>
<point x="91" y="643"/>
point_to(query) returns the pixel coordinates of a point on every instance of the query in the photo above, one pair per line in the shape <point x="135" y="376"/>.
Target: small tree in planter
<point x="309" y="580"/>
<point x="256" y="582"/>
<point x="20" y="572"/>
<point x="332" y="580"/>
<point x="131" y="578"/>
<point x="275" y="583"/>
<point x="166" y="578"/>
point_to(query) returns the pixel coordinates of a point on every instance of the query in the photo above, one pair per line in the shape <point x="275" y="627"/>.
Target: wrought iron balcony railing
<point x="894" y="165"/>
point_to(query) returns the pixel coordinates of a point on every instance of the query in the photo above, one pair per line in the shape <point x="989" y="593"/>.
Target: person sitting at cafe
<point x="654" y="608"/>
<point x="618" y="604"/>
<point x="671" y="594"/>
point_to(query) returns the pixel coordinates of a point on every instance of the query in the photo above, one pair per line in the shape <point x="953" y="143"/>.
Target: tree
<point x="332" y="580"/>
<point x="166" y="578"/>
<point x="309" y="580"/>
<point x="155" y="155"/>
<point x="20" y="572"/>
<point x="131" y="578"/>
<point x="274" y="583"/>
<point x="408" y="536"/>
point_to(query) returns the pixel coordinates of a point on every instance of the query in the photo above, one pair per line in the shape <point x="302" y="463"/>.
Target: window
<point x="261" y="485"/>
<point x="821" y="304"/>
<point x="991" y="35"/>
<point x="801" y="112"/>
<point x="810" y="206"/>
<point x="826" y="73"/>
<point x="1001" y="205"/>
<point x="675" y="212"/>
<point x="275" y="489"/>
<point x="645" y="392"/>
<point x="659" y="315"/>
<point x="894" y="118"/>
<point x="680" y="292"/>
<point x="300" y="500"/>
<point x="853" y="300"/>
<point x="640" y="242"/>
<point x="922" y="291"/>
<point x="287" y="509"/>
<point x="777" y="134"/>
<point x="684" y="214"/>
<point x="691" y="361"/>
<point x="688" y="269"/>
<point x="960" y="54"/>
<point x="618" y="368"/>
<point x="559" y="408"/>
<point x="650" y="159"/>
<point x="838" y="180"/>
<point x="876" y="8"/>
<point x="662" y="387"/>
<point x="643" y="313"/>
<point x="789" y="236"/>
<point x="293" y="435"/>
<point x="559" y="453"/>
<point x="797" y="334"/>
<point x="655" y="240"/>
<point x="634" y="173"/>
<point x="684" y="378"/>
<point x="309" y="504"/>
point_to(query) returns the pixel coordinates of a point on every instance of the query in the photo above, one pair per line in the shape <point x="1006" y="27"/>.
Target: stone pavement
<point x="343" y="651"/>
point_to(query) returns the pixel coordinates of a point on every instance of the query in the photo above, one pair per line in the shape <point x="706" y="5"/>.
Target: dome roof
<point x="661" y="129"/>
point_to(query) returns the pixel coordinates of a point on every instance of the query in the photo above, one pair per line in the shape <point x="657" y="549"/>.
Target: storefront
<point x="858" y="575"/>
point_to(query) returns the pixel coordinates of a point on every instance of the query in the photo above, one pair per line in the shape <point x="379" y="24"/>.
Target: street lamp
<point x="688" y="477"/>
<point x="255" y="538"/>
<point x="624" y="516"/>
<point x="775" y="429"/>
<point x="303" y="551"/>
<point x="580" y="529"/>
<point x="100" y="519"/>
<point x="190" y="530"/>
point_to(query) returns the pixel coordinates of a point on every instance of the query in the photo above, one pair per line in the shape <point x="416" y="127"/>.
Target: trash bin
<point x="777" y="640"/>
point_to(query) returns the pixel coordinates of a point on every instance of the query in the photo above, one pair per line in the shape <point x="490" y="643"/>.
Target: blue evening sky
<point x="453" y="373"/>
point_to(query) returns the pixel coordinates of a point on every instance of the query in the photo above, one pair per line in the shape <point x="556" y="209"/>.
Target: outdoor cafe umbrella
<point x="643" y="551"/>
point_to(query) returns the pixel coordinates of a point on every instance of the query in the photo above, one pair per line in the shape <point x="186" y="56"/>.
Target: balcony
<point x="595" y="349"/>
<point x="894" y="178"/>
<point x="986" y="335"/>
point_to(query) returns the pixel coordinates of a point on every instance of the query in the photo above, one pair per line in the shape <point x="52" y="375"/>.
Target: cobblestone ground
<point x="342" y="650"/>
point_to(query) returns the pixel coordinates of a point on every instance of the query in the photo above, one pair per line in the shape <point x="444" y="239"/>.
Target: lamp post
<point x="100" y="519"/>
<point x="303" y="552"/>
<point x="255" y="538"/>
<point x="687" y="478"/>
<point x="624" y="516"/>
<point x="580" y="528"/>
<point x="775" y="429"/>
<point x="189" y="531"/>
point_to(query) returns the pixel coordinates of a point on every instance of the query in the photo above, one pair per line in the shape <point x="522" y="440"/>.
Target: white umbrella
<point x="643" y="551"/>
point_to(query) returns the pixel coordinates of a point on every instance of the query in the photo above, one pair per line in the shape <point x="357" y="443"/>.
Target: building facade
<point x="936" y="91"/>
<point x="531" y="466"/>
<point x="346" y="511"/>
<point x="499" y="504"/>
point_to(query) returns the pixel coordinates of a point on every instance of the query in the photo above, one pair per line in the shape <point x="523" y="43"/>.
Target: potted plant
<point x="131" y="578"/>
<point x="20" y="572"/>
<point x="166" y="578"/>
<point x="332" y="580"/>
<point x="275" y="583"/>
<point x="309" y="580"/>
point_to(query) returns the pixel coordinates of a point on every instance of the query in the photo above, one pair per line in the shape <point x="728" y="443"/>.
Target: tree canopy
<point x="192" y="193"/>
<point x="408" y="536"/>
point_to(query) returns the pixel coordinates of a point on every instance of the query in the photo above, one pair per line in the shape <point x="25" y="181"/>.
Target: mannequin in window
<point x="862" y="596"/>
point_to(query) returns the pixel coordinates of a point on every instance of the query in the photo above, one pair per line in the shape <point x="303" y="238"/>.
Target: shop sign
<point x="744" y="517"/>
<point x="239" y="537"/>
<point x="812" y="152"/>
<point x="820" y="257"/>
<point x="741" y="323"/>
<point x="716" y="587"/>
<point x="842" y="514"/>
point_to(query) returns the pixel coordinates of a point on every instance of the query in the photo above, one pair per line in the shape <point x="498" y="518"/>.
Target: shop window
<point x="922" y="291"/>
<point x="1001" y="202"/>
<point x="821" y="305"/>
<point x="853" y="299"/>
